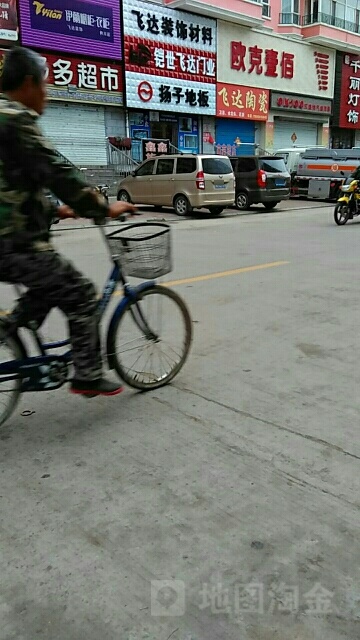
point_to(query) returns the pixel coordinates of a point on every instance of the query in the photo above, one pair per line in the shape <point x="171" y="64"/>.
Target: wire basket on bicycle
<point x="143" y="250"/>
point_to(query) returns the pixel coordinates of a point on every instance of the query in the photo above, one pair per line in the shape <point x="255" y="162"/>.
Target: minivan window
<point x="272" y="165"/>
<point x="146" y="169"/>
<point x="165" y="166"/>
<point x="246" y="165"/>
<point x="215" y="166"/>
<point x="186" y="165"/>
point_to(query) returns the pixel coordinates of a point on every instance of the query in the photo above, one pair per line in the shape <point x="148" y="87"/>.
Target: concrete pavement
<point x="227" y="505"/>
<point x="148" y="213"/>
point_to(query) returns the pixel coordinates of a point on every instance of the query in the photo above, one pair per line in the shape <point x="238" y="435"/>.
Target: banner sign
<point x="237" y="101"/>
<point x="9" y="27"/>
<point x="170" y="59"/>
<point x="77" y="26"/>
<point x="153" y="147"/>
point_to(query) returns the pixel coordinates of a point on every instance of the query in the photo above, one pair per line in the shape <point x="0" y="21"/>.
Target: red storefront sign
<point x="350" y="92"/>
<point x="65" y="71"/>
<point x="290" y="102"/>
<point x="82" y="80"/>
<point x="247" y="103"/>
<point x="169" y="61"/>
<point x="268" y="62"/>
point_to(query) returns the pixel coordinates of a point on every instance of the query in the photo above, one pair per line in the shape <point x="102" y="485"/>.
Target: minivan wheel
<point x="182" y="206"/>
<point x="270" y="205"/>
<point x="216" y="211"/>
<point x="242" y="201"/>
<point x="123" y="196"/>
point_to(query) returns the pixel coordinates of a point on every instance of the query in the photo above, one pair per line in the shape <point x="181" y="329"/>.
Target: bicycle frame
<point x="46" y="371"/>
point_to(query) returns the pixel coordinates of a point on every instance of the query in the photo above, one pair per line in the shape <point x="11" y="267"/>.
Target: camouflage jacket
<point x="29" y="166"/>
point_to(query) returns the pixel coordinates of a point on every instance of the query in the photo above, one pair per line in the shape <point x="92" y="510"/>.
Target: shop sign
<point x="256" y="60"/>
<point x="90" y="27"/>
<point x="269" y="61"/>
<point x="9" y="27"/>
<point x="152" y="148"/>
<point x="350" y="92"/>
<point x="207" y="138"/>
<point x="236" y="101"/>
<point x="81" y="80"/>
<point x="170" y="59"/>
<point x="289" y="102"/>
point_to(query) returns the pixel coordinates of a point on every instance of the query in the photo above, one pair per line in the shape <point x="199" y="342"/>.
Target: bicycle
<point x="141" y="250"/>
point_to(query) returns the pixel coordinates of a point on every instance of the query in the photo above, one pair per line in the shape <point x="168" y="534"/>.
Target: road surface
<point x="225" y="506"/>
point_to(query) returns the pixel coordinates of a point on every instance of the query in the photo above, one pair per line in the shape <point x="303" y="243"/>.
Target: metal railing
<point x="68" y="163"/>
<point x="289" y="18"/>
<point x="331" y="21"/>
<point x="120" y="161"/>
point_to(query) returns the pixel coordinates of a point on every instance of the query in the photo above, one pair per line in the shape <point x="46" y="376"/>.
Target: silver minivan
<point x="185" y="182"/>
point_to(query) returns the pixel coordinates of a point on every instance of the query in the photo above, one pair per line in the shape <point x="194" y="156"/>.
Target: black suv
<point x="262" y="179"/>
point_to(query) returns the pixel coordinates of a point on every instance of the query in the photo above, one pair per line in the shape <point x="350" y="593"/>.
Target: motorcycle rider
<point x="28" y="166"/>
<point x="355" y="175"/>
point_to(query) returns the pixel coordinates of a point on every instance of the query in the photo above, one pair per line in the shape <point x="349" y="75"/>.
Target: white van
<point x="292" y="154"/>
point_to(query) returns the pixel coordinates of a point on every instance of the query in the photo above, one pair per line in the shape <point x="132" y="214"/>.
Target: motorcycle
<point x="103" y="189"/>
<point x="348" y="205"/>
<point x="55" y="204"/>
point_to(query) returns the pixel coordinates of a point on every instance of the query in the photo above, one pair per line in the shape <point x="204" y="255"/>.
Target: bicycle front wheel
<point x="152" y="338"/>
<point x="10" y="388"/>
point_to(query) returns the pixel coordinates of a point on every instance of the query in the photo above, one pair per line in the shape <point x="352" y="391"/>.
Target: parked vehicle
<point x="185" y="182"/>
<point x="260" y="179"/>
<point x="348" y="205"/>
<point x="321" y="172"/>
<point x="291" y="157"/>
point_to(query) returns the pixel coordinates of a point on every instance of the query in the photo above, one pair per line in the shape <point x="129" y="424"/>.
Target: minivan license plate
<point x="220" y="186"/>
<point x="280" y="183"/>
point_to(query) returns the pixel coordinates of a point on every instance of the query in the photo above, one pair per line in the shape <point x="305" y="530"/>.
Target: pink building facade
<point x="280" y="66"/>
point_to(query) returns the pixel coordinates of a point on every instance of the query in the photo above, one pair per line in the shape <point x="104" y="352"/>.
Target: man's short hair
<point x="19" y="63"/>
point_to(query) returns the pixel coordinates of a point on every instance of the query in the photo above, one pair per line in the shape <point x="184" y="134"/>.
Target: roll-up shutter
<point x="238" y="134"/>
<point x="77" y="131"/>
<point x="306" y="134"/>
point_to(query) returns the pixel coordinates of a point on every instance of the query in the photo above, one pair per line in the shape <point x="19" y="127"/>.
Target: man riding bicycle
<point x="29" y="165"/>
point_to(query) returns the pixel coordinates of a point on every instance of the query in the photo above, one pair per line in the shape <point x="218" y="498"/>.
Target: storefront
<point x="170" y="75"/>
<point x="85" y="91"/>
<point x="299" y="121"/>
<point x="270" y="93"/>
<point x="182" y="131"/>
<point x="239" y="110"/>
<point x="345" y="126"/>
<point x="86" y="97"/>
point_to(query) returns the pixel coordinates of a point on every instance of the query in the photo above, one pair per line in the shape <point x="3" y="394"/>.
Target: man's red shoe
<point x="92" y="388"/>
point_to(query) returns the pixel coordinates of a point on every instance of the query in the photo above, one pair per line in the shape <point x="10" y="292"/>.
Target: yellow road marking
<point x="221" y="274"/>
<point x="208" y="276"/>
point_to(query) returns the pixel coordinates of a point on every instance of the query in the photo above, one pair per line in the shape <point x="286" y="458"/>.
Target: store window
<point x="188" y="134"/>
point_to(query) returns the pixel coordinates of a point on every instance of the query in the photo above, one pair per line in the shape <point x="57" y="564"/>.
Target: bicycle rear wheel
<point x="148" y="362"/>
<point x="10" y="390"/>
